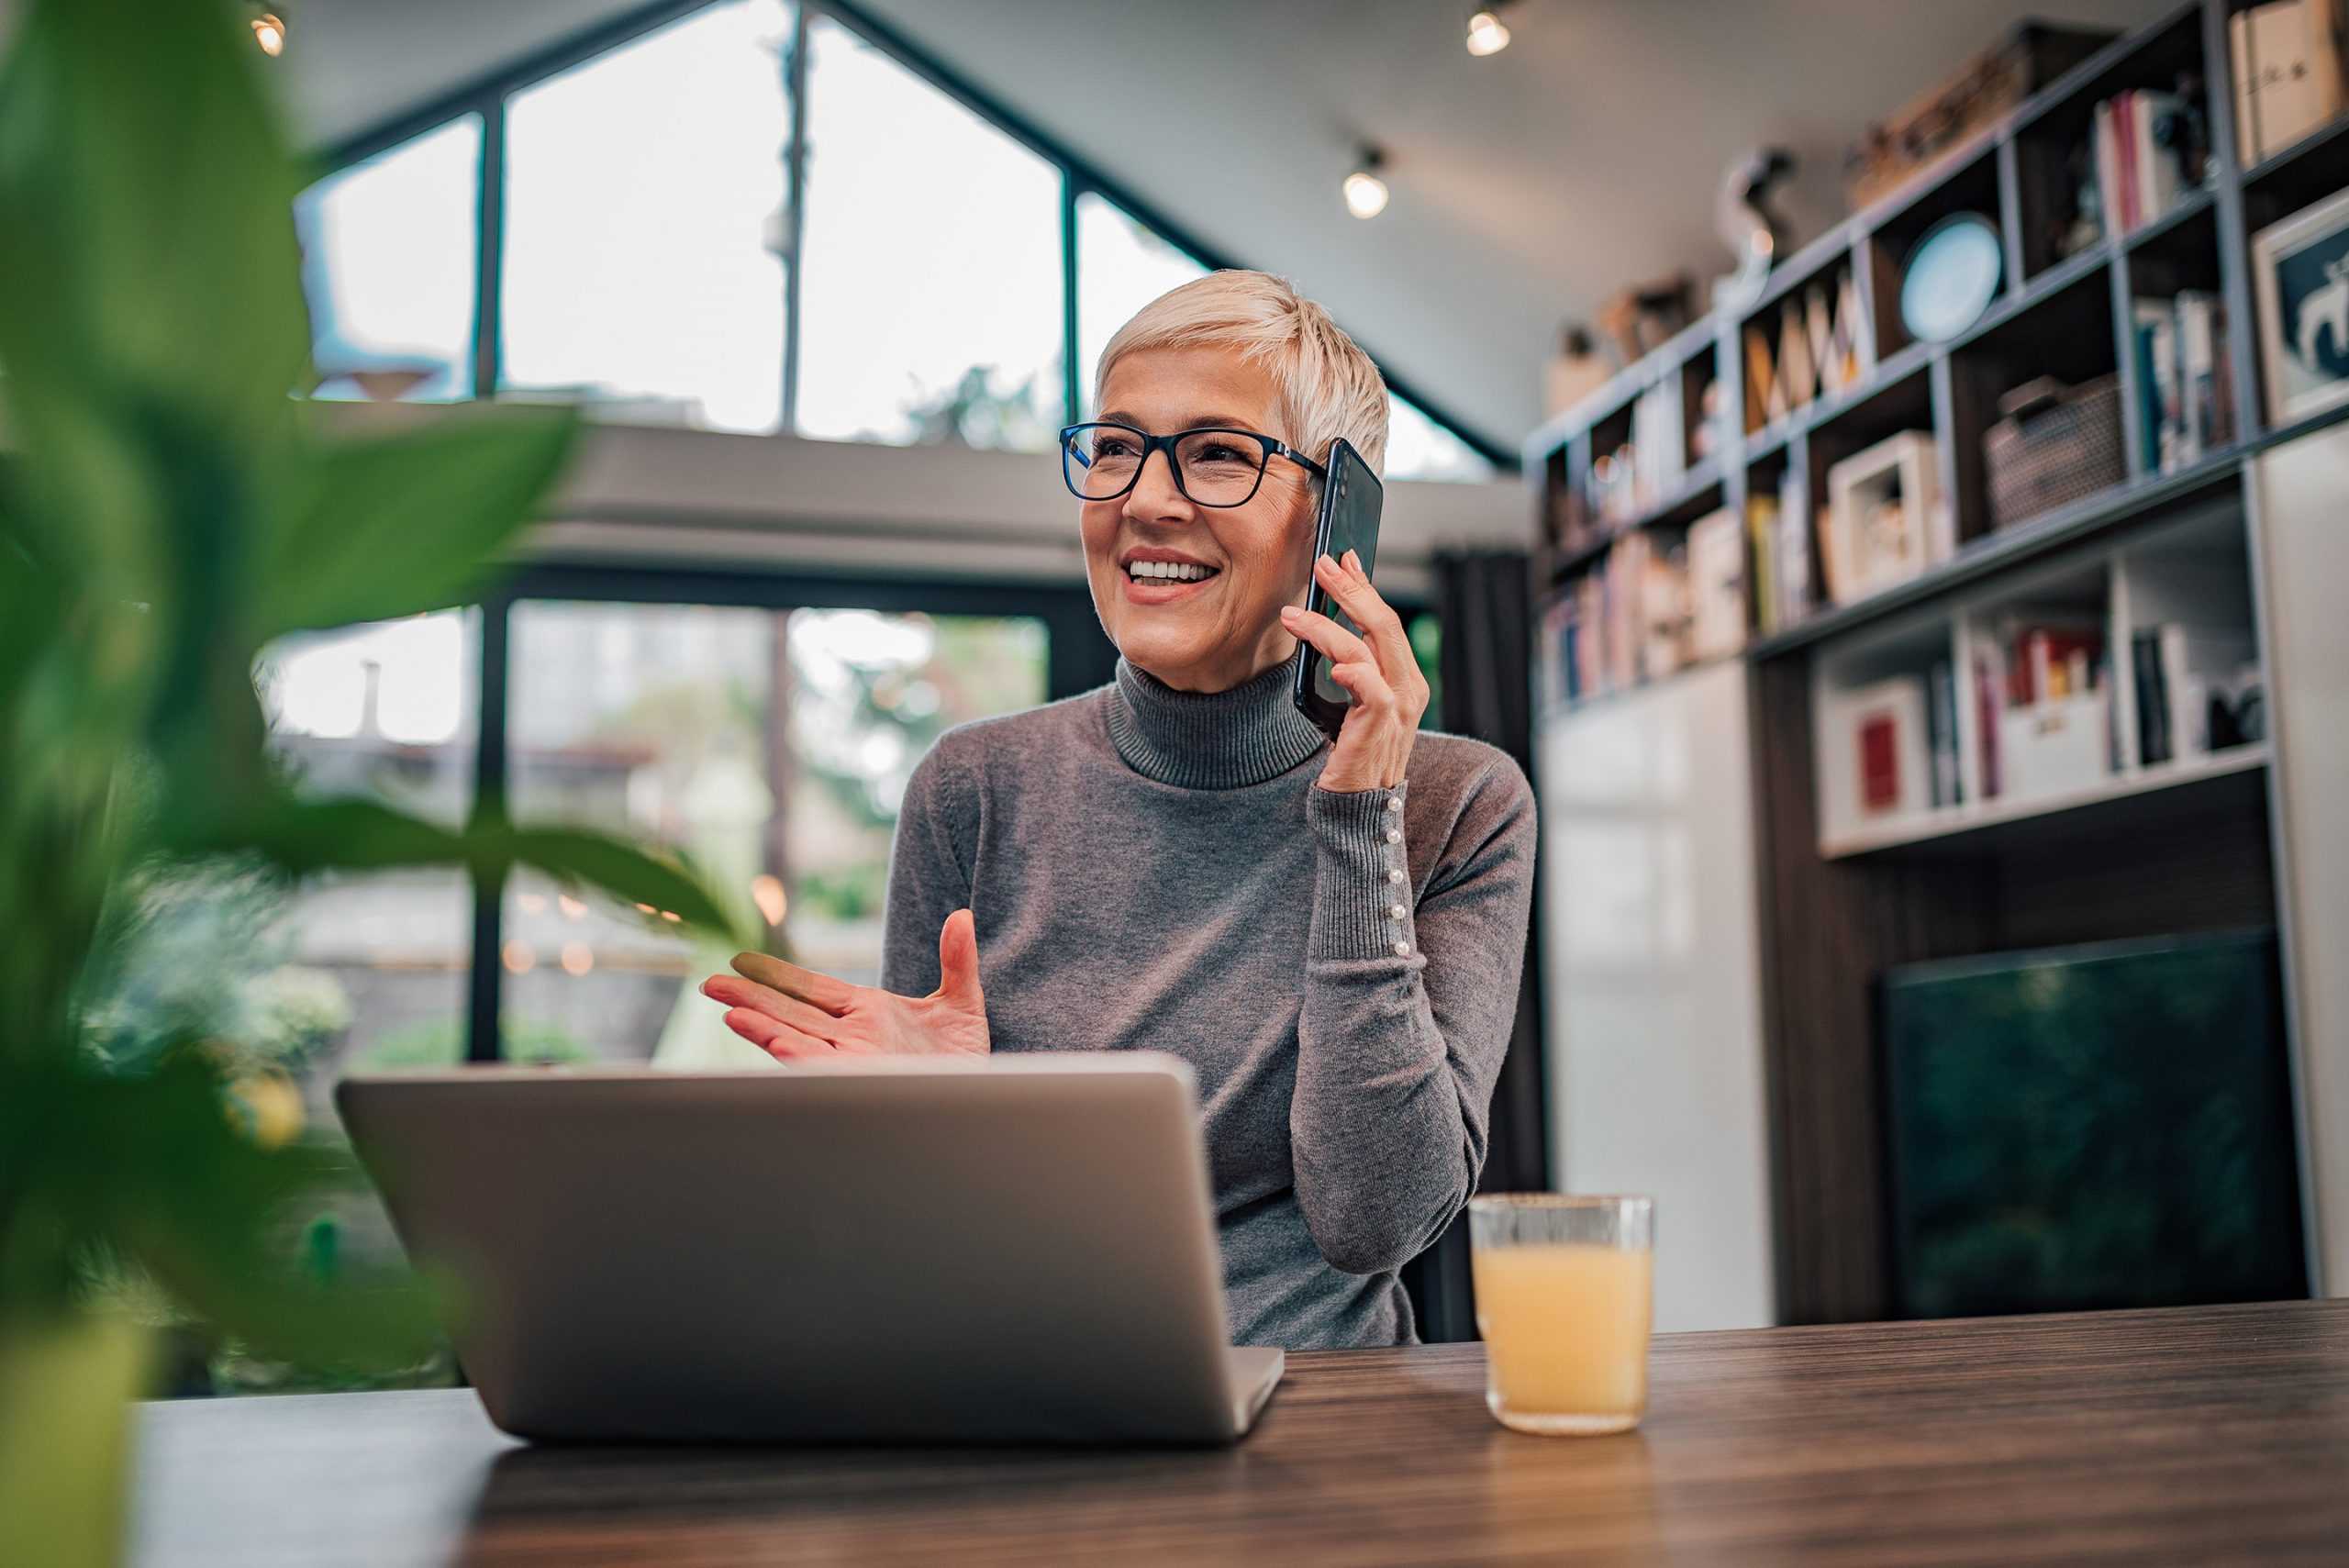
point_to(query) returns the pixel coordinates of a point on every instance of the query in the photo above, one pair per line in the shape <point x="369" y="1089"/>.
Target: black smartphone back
<point x="1351" y="497"/>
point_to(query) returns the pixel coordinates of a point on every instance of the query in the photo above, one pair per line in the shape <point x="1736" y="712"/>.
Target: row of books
<point x="2147" y="156"/>
<point x="2197" y="690"/>
<point x="1824" y="346"/>
<point x="1777" y="527"/>
<point x="2185" y="391"/>
<point x="1645" y="610"/>
<point x="2046" y="714"/>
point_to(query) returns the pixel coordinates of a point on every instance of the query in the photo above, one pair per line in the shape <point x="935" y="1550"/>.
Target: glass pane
<point x="304" y="981"/>
<point x="644" y="195"/>
<point x="931" y="307"/>
<point x="1418" y="447"/>
<point x="1121" y="267"/>
<point x="387" y="263"/>
<point x="771" y="745"/>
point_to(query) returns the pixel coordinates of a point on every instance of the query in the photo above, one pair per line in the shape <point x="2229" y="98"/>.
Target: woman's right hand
<point x="787" y="1011"/>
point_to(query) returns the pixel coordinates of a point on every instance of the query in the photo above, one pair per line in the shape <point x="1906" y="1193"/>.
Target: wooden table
<point x="2199" y="1435"/>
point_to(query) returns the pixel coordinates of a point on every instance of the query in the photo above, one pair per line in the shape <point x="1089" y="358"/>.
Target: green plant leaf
<point x="157" y="1167"/>
<point x="307" y="836"/>
<point x="391" y="525"/>
<point x="147" y="246"/>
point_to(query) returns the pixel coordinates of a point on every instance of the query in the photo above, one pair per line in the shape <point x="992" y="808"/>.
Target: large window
<point x="1122" y="266"/>
<point x="931" y="253"/>
<point x="773" y="746"/>
<point x="645" y="225"/>
<point x="388" y="261"/>
<point x="669" y="255"/>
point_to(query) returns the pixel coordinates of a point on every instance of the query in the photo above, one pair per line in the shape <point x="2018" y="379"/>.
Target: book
<point x="2184" y="396"/>
<point x="2286" y="67"/>
<point x="1762" y="400"/>
<point x="1761" y="530"/>
<point x="1794" y="549"/>
<point x="2108" y="167"/>
<point x="1941" y="718"/>
<point x="2156" y="121"/>
<point x="1798" y="377"/>
<point x="1819" y="330"/>
<point x="1886" y="754"/>
<point x="1715" y="569"/>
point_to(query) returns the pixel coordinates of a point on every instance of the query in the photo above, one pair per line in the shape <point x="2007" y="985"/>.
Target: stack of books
<point x="2191" y="683"/>
<point x="1645" y="610"/>
<point x="1779" y="528"/>
<point x="2147" y="157"/>
<point x="2043" y="707"/>
<point x="1659" y="442"/>
<point x="2185" y="391"/>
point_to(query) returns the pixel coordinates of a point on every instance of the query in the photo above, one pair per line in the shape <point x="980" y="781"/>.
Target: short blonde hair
<point x="1328" y="387"/>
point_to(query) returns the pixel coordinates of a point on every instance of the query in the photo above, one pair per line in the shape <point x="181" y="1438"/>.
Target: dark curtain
<point x="1484" y="608"/>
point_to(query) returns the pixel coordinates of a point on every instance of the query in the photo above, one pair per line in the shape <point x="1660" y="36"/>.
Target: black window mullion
<point x="484" y="995"/>
<point x="489" y="247"/>
<point x="794" y="207"/>
<point x="1073" y="374"/>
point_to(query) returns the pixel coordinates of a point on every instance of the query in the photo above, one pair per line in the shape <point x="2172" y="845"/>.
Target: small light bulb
<point x="1486" y="34"/>
<point x="576" y="959"/>
<point x="1365" y="194"/>
<point x="268" y="31"/>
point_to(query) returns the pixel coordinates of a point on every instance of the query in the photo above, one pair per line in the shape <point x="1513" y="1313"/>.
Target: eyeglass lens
<point x="1215" y="467"/>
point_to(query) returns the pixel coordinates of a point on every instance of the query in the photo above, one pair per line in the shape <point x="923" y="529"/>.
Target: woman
<point x="1330" y="933"/>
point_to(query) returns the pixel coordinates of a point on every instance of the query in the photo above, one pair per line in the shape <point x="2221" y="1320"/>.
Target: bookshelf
<point x="2139" y="845"/>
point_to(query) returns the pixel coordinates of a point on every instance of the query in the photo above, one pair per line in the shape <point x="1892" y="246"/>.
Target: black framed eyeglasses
<point x="1212" y="467"/>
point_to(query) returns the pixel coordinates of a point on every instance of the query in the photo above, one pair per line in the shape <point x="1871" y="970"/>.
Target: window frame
<point x="488" y="95"/>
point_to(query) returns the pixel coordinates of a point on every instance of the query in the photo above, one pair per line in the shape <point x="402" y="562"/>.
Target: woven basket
<point x="2056" y="445"/>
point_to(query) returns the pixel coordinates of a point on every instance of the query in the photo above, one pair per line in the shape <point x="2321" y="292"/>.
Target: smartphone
<point x="1351" y="495"/>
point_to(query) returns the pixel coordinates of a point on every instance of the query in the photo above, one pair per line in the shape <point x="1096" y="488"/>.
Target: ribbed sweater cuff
<point x="1363" y="877"/>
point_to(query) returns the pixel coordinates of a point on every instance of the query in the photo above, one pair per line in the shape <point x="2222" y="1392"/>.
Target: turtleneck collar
<point x="1210" y="739"/>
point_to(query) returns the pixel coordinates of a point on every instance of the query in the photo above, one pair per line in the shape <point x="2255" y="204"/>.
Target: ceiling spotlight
<point x="1488" y="34"/>
<point x="1366" y="192"/>
<point x="268" y="31"/>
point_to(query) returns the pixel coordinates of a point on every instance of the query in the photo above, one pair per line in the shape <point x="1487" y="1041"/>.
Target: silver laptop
<point x="913" y="1250"/>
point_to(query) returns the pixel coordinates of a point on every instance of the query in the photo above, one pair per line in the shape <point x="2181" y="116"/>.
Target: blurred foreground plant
<point x="167" y="507"/>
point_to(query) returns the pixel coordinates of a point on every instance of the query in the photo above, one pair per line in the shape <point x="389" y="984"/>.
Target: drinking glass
<point x="1564" y="1289"/>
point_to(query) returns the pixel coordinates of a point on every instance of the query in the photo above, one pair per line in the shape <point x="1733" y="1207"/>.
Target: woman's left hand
<point x="1378" y="671"/>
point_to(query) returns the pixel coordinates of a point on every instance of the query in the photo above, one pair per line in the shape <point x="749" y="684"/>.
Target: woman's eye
<point x="1113" y="446"/>
<point x="1219" y="452"/>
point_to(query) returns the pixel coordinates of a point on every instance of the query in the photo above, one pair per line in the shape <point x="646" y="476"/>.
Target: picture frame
<point x="2301" y="278"/>
<point x="1886" y="518"/>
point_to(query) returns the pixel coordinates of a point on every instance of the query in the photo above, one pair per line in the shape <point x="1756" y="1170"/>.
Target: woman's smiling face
<point x="1212" y="634"/>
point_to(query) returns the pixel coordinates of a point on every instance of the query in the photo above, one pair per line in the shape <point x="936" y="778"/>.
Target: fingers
<point x="1366" y="684"/>
<point x="1350" y="585"/>
<point x="735" y="992"/>
<point x="819" y="990"/>
<point x="1340" y="645"/>
<point x="779" y="1041"/>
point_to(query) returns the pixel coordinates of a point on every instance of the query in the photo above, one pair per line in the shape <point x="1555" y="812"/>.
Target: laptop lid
<point x="1018" y="1248"/>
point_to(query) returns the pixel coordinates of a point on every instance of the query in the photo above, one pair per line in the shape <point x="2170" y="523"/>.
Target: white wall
<point x="1652" y="976"/>
<point x="2303" y="531"/>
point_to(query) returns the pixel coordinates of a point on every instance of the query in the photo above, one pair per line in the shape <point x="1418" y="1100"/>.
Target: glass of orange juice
<point x="1564" y="1289"/>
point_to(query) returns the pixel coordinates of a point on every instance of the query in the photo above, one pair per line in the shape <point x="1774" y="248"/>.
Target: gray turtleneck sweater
<point x="1154" y="869"/>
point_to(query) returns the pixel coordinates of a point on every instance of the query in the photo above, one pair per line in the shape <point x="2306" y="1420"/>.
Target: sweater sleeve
<point x="1408" y="1006"/>
<point x="929" y="869"/>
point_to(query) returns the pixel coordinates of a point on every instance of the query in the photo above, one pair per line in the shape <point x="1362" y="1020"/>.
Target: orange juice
<point x="1566" y="1328"/>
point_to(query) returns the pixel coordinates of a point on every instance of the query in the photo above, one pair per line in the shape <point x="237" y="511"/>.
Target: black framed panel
<point x="1078" y="657"/>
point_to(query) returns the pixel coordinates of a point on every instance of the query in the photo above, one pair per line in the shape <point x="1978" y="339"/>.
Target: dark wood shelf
<point x="2332" y="137"/>
<point x="2182" y="213"/>
<point x="2124" y="503"/>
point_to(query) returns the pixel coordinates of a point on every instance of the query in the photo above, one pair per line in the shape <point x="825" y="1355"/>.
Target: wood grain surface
<point x="2196" y="1435"/>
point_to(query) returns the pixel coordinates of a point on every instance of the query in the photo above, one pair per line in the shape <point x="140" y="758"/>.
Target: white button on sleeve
<point x="1402" y="950"/>
<point x="1394" y="911"/>
<point x="1394" y="803"/>
<point x="1393" y="835"/>
<point x="1395" y="874"/>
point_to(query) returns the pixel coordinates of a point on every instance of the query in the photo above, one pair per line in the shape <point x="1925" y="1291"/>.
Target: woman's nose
<point x="1155" y="494"/>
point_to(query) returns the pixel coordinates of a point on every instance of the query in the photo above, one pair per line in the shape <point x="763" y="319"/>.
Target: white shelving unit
<point x="2193" y="573"/>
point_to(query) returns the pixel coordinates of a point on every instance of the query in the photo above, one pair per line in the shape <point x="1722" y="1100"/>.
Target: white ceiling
<point x="1527" y="186"/>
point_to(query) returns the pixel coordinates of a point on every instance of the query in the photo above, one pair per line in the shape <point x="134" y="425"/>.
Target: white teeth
<point x="1168" y="571"/>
